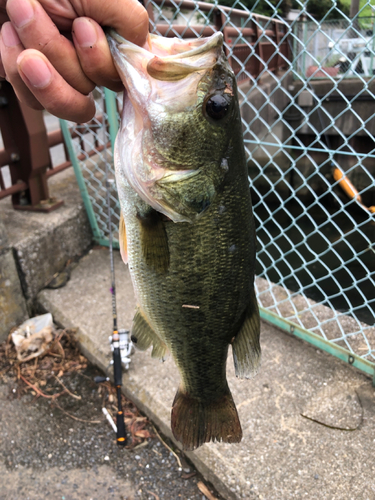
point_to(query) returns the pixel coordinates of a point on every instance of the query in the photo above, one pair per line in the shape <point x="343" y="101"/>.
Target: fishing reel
<point x="125" y="346"/>
<point x="121" y="347"/>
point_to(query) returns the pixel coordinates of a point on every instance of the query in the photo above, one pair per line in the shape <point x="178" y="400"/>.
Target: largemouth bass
<point x="187" y="230"/>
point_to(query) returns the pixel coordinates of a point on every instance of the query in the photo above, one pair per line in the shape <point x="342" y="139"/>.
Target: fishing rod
<point x="120" y="343"/>
<point x="115" y="338"/>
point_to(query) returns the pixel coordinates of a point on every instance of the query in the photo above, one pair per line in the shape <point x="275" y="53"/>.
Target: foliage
<point x="365" y="9"/>
<point x="264" y="7"/>
<point x="326" y="9"/>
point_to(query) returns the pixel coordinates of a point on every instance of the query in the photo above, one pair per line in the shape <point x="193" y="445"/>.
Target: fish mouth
<point x="160" y="79"/>
<point x="148" y="72"/>
<point x="172" y="59"/>
<point x="161" y="51"/>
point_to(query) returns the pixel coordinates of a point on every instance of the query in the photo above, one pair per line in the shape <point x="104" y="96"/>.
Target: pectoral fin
<point x="191" y="197"/>
<point x="154" y="241"/>
<point x="122" y="240"/>
<point x="143" y="336"/>
<point x="246" y="346"/>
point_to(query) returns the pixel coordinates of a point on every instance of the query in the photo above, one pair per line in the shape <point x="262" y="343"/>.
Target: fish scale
<point x="189" y="237"/>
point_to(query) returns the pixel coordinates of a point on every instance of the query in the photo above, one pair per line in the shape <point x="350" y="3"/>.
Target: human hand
<point x="54" y="52"/>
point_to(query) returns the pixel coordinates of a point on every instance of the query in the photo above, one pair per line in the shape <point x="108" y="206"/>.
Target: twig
<point x="38" y="391"/>
<point x="67" y="390"/>
<point x="206" y="492"/>
<point x="61" y="350"/>
<point x="350" y="429"/>
<point x="55" y="355"/>
<point x="153" y="494"/>
<point x="330" y="426"/>
<point x="35" y="366"/>
<point x="168" y="448"/>
<point x="141" y="445"/>
<point x="56" y="341"/>
<point x="76" y="418"/>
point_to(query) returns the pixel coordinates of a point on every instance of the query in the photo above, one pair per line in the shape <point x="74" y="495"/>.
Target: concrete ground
<point x="69" y="451"/>
<point x="307" y="418"/>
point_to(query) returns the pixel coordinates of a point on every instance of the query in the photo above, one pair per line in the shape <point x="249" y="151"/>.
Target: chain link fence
<point x="94" y="170"/>
<point x="338" y="49"/>
<point x="307" y="102"/>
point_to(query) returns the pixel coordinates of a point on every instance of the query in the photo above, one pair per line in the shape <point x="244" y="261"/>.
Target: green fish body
<point x="187" y="231"/>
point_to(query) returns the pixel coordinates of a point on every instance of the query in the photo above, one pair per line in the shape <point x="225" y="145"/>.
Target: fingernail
<point x="20" y="12"/>
<point x="9" y="35"/>
<point x="84" y="32"/>
<point x="36" y="71"/>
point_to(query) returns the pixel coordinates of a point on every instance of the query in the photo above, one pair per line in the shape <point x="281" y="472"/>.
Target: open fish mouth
<point x="161" y="81"/>
<point x="164" y="73"/>
<point x="171" y="59"/>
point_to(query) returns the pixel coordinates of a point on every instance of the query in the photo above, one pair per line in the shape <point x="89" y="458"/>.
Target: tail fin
<point x="197" y="422"/>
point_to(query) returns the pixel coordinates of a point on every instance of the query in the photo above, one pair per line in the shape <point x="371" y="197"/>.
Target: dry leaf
<point x="143" y="434"/>
<point x="206" y="492"/>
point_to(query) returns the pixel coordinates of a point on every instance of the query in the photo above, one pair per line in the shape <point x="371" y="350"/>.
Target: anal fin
<point x="154" y="240"/>
<point x="246" y="346"/>
<point x="143" y="336"/>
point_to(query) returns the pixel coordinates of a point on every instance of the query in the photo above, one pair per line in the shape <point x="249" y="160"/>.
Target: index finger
<point x="128" y="17"/>
<point x="36" y="30"/>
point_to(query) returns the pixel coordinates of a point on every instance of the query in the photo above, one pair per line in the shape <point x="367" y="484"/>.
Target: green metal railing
<point x="309" y="139"/>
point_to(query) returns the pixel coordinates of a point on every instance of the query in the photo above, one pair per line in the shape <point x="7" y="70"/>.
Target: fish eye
<point x="217" y="106"/>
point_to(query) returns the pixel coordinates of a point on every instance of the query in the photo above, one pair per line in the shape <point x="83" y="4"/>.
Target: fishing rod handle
<point x="121" y="432"/>
<point x="117" y="368"/>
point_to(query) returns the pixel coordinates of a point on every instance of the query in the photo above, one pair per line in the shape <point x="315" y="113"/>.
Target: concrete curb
<point x="35" y="246"/>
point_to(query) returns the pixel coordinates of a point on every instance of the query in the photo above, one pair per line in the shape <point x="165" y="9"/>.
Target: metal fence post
<point x="25" y="139"/>
<point x="80" y="181"/>
<point x="110" y="102"/>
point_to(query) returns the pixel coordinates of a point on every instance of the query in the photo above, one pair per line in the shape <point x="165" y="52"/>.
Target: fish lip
<point x="214" y="41"/>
